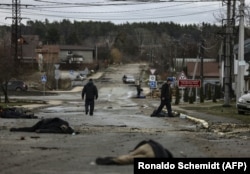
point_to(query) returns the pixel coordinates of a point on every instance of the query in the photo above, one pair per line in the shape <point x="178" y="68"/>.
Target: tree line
<point x="157" y="43"/>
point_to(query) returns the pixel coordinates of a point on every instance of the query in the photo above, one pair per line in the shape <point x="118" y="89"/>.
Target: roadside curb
<point x="196" y="120"/>
<point x="202" y="122"/>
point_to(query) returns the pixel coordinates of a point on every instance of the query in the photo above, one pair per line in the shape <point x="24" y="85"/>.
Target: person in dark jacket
<point x="139" y="90"/>
<point x="90" y="93"/>
<point x="166" y="98"/>
<point x="144" y="149"/>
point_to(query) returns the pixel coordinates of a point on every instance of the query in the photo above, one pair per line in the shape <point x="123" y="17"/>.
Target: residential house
<point x="211" y="72"/>
<point x="29" y="44"/>
<point x="76" y="54"/>
<point x="48" y="54"/>
<point x="181" y="63"/>
<point x="34" y="52"/>
<point x="65" y="54"/>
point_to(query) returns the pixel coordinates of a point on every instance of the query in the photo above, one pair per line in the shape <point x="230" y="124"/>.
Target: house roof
<point x="210" y="69"/>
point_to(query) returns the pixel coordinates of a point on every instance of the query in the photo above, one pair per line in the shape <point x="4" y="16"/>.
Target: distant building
<point x="34" y="52"/>
<point x="48" y="54"/>
<point x="181" y="63"/>
<point x="65" y="54"/>
<point x="29" y="44"/>
<point x="211" y="72"/>
<point x="76" y="54"/>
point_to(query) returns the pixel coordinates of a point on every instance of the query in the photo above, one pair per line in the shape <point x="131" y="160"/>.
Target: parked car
<point x="17" y="85"/>
<point x="128" y="79"/>
<point x="243" y="103"/>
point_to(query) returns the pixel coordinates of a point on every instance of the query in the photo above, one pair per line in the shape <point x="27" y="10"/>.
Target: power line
<point x="139" y="13"/>
<point x="143" y="10"/>
<point x="122" y="18"/>
<point x="120" y="11"/>
<point x="127" y="11"/>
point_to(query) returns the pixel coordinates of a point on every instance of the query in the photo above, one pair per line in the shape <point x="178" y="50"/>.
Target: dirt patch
<point x="231" y="130"/>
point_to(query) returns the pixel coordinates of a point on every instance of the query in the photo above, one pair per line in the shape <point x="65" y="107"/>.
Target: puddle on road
<point x="75" y="102"/>
<point x="62" y="109"/>
<point x="130" y="105"/>
<point x="45" y="148"/>
<point x="103" y="79"/>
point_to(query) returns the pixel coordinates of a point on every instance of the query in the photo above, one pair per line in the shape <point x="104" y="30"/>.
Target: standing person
<point x="139" y="90"/>
<point x="166" y="98"/>
<point x="90" y="93"/>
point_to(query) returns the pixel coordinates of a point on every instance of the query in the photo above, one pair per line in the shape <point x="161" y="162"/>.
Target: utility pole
<point x="241" y="60"/>
<point x="201" y="69"/>
<point x="233" y="36"/>
<point x="16" y="39"/>
<point x="16" y="30"/>
<point x="227" y="57"/>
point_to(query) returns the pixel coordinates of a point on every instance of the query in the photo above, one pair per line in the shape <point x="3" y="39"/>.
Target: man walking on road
<point x="166" y="98"/>
<point x="90" y="93"/>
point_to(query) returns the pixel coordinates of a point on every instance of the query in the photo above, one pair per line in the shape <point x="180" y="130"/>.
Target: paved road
<point x="119" y="123"/>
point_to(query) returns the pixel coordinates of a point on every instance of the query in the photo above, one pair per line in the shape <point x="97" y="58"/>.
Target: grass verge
<point x="218" y="109"/>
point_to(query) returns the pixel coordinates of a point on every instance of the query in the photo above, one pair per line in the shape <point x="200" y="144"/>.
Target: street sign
<point x="189" y="83"/>
<point x="57" y="74"/>
<point x="44" y="78"/>
<point x="152" y="78"/>
<point x="57" y="66"/>
<point x="71" y="72"/>
<point x="153" y="84"/>
<point x="182" y="76"/>
<point x="152" y="71"/>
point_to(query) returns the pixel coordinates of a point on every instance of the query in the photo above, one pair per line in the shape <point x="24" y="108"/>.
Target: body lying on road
<point x="145" y="149"/>
<point x="49" y="125"/>
<point x="15" y="113"/>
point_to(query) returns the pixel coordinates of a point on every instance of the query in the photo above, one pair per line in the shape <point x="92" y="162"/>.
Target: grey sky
<point x="179" y="11"/>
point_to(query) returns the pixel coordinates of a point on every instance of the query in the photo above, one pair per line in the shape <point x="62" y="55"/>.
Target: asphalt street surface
<point x="119" y="123"/>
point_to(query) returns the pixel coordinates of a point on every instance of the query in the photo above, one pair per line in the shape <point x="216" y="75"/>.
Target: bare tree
<point x="110" y="39"/>
<point x="140" y="34"/>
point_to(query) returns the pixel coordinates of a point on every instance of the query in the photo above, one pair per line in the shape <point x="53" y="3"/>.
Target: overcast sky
<point x="117" y="11"/>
